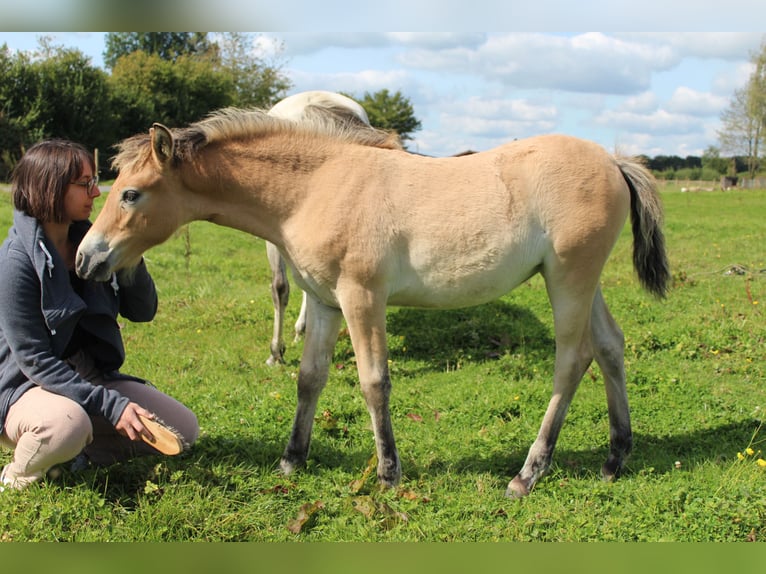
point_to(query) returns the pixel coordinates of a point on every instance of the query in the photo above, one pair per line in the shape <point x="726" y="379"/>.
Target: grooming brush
<point x="166" y="439"/>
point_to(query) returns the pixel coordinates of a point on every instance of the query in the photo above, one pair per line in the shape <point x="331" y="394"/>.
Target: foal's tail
<point x="649" y="257"/>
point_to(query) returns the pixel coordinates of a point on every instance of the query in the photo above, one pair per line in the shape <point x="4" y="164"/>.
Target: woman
<point x="61" y="394"/>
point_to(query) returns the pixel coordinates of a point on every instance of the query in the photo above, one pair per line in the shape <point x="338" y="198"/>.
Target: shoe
<point x="80" y="463"/>
<point x="4" y="481"/>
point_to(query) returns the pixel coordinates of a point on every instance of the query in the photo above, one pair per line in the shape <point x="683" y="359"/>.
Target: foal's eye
<point x="130" y="196"/>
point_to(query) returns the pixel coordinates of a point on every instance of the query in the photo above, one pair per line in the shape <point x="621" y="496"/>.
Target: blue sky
<point x="652" y="93"/>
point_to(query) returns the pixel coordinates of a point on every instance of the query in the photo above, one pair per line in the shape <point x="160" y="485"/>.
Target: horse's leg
<point x="366" y="319"/>
<point x="609" y="347"/>
<point x="571" y="314"/>
<point x="280" y="294"/>
<point x="300" y="324"/>
<point x="321" y="335"/>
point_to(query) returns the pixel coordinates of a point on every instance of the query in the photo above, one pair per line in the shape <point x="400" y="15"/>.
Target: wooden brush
<point x="166" y="440"/>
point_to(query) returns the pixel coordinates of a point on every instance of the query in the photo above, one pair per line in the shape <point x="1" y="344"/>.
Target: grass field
<point x="470" y="387"/>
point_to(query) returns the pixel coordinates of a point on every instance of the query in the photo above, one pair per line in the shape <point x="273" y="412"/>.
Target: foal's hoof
<point x="388" y="482"/>
<point x="517" y="488"/>
<point x="611" y="469"/>
<point x="389" y="474"/>
<point x="288" y="467"/>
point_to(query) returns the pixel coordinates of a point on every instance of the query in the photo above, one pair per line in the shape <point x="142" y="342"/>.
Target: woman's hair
<point x="43" y="174"/>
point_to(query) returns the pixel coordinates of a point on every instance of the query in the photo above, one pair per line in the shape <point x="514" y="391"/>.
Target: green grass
<point x="470" y="388"/>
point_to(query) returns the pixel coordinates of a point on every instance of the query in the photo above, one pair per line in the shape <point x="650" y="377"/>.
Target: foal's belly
<point x="461" y="283"/>
<point x="447" y="276"/>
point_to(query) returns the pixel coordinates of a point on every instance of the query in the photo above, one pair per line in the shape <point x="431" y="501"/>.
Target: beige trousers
<point x="45" y="429"/>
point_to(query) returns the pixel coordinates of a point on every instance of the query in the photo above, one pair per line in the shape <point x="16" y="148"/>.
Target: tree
<point x="744" y="121"/>
<point x="178" y="78"/>
<point x="73" y="99"/>
<point x="257" y="83"/>
<point x="391" y="112"/>
<point x="713" y="161"/>
<point x="741" y="131"/>
<point x="16" y="94"/>
<point x="148" y="89"/>
<point x="167" y="45"/>
<point x="52" y="92"/>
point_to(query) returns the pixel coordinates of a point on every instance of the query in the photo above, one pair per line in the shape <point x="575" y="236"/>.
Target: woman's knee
<point x="71" y="429"/>
<point x="46" y="437"/>
<point x="191" y="430"/>
<point x="48" y="417"/>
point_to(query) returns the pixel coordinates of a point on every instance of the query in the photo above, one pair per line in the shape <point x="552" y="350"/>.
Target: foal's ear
<point x="162" y="143"/>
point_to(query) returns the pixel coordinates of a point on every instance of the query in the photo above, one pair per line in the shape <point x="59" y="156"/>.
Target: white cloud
<point x="499" y="129"/>
<point x="733" y="78"/>
<point x="302" y="44"/>
<point x="480" y="124"/>
<point x="438" y="41"/>
<point x="705" y="45"/>
<point x="518" y="110"/>
<point x="591" y="62"/>
<point x="660" y="122"/>
<point x="642" y="103"/>
<point x="691" y="102"/>
<point x="353" y="82"/>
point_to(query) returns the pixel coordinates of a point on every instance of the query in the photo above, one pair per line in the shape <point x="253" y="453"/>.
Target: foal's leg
<point x="280" y="294"/>
<point x="321" y="336"/>
<point x="366" y="320"/>
<point x="609" y="347"/>
<point x="571" y="312"/>
<point x="300" y="324"/>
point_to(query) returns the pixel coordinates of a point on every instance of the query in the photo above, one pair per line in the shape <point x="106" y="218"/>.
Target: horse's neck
<point x="253" y="192"/>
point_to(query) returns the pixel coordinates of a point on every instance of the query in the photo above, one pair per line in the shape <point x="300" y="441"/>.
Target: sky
<point x="652" y="93"/>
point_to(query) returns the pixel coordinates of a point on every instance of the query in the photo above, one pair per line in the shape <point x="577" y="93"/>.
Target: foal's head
<point x="142" y="209"/>
<point x="150" y="200"/>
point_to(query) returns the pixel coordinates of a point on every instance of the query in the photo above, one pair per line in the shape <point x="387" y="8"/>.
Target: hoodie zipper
<point x="49" y="265"/>
<point x="48" y="258"/>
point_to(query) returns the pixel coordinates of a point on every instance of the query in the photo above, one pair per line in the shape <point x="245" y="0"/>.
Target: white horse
<point x="296" y="108"/>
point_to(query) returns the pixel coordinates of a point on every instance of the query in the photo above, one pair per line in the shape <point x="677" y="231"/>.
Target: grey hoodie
<point x="39" y="310"/>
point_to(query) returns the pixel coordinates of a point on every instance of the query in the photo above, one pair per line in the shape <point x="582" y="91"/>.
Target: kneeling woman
<point x="61" y="393"/>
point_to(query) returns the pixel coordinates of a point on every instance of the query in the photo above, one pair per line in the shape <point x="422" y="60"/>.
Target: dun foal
<point x="364" y="225"/>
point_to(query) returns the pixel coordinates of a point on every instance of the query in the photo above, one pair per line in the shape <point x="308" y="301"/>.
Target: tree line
<point x="710" y="166"/>
<point x="174" y="78"/>
<point x="178" y="77"/>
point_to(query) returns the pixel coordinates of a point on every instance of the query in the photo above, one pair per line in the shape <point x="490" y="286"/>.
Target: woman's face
<point x="79" y="196"/>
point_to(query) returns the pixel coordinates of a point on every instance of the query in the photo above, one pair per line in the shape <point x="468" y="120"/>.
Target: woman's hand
<point x="131" y="426"/>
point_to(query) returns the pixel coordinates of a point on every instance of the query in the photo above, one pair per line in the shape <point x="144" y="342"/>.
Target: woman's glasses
<point x="89" y="185"/>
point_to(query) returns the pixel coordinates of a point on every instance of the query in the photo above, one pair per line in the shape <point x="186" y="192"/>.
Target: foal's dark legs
<point x="321" y="335"/>
<point x="609" y="346"/>
<point x="571" y="299"/>
<point x="365" y="314"/>
<point x="604" y="339"/>
<point x="571" y="364"/>
<point x="280" y="295"/>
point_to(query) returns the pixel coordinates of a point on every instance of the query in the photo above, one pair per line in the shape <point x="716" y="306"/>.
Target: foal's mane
<point x="334" y="122"/>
